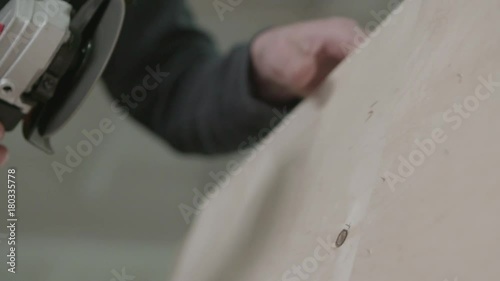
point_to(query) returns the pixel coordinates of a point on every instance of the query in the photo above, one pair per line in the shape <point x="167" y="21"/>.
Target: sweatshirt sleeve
<point x="169" y="76"/>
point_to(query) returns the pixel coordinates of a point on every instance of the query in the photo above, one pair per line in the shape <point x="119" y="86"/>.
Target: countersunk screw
<point x="341" y="238"/>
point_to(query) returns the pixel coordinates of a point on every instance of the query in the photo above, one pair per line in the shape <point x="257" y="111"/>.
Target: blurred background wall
<point x="119" y="208"/>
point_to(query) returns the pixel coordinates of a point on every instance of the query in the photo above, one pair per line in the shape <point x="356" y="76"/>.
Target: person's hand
<point x="3" y="149"/>
<point x="293" y="60"/>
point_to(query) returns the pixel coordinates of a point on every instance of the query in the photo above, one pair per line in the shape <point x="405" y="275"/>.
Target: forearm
<point x="214" y="108"/>
<point x="207" y="104"/>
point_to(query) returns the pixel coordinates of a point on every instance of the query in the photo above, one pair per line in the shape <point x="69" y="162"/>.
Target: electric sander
<point x="51" y="54"/>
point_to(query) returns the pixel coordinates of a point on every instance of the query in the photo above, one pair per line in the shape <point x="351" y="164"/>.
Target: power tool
<point x="51" y="54"/>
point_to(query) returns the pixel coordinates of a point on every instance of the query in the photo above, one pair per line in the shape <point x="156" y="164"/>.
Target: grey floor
<point x="118" y="210"/>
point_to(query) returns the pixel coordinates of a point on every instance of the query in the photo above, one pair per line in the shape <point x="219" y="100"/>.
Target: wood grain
<point x="334" y="166"/>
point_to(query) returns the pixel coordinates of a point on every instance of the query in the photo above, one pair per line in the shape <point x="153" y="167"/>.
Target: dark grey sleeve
<point x="206" y="103"/>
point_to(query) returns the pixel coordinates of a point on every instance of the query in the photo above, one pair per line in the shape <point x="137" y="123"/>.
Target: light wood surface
<point x="333" y="166"/>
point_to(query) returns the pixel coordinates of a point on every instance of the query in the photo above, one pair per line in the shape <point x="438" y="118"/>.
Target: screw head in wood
<point x="341" y="238"/>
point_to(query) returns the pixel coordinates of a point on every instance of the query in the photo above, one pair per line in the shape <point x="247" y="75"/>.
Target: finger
<point x="316" y="58"/>
<point x="300" y="73"/>
<point x="306" y="74"/>
<point x="342" y="37"/>
<point x="339" y="37"/>
<point x="310" y="72"/>
<point x="3" y="150"/>
<point x="4" y="156"/>
<point x="324" y="66"/>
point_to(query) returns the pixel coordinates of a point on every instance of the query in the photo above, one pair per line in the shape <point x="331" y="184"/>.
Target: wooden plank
<point x="335" y="165"/>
